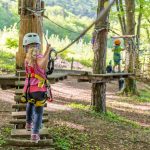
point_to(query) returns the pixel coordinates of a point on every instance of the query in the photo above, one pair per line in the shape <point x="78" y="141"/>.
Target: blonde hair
<point x="30" y="56"/>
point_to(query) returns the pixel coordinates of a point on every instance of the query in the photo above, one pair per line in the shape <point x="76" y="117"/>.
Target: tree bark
<point x="148" y="34"/>
<point x="28" y="23"/>
<point x="130" y="17"/>
<point x="138" y="66"/>
<point x="121" y="16"/>
<point x="99" y="64"/>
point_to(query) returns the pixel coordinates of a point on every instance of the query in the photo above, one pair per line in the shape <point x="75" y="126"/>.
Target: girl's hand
<point x="49" y="47"/>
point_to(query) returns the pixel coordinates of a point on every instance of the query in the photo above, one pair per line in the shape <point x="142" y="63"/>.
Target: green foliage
<point x="143" y="97"/>
<point x="2" y="140"/>
<point x="79" y="106"/>
<point x="85" y="62"/>
<point x="7" y="61"/>
<point x="109" y="116"/>
<point x="76" y="6"/>
<point x="11" y="43"/>
<point x="116" y="118"/>
<point x="5" y="132"/>
<point x="58" y="14"/>
<point x="65" y="54"/>
<point x="8" y="15"/>
<point x="66" y="138"/>
<point x="68" y="21"/>
<point x="68" y="55"/>
<point x="62" y="143"/>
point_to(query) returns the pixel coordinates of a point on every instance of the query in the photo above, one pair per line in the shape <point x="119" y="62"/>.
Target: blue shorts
<point x="117" y="58"/>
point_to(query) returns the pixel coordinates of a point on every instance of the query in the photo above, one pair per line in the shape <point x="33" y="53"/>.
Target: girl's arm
<point x="42" y="62"/>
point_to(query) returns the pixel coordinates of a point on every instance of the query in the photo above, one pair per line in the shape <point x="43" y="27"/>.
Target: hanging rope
<point x="60" y="25"/>
<point x="46" y="17"/>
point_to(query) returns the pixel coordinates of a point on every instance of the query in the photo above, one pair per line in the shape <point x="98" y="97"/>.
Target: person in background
<point x="117" y="55"/>
<point x="109" y="67"/>
<point x="121" y="83"/>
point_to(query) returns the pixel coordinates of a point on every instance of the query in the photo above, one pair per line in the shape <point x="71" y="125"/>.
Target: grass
<point x="2" y="140"/>
<point x="144" y="96"/>
<point x="5" y="132"/>
<point x="108" y="116"/>
<point x="66" y="138"/>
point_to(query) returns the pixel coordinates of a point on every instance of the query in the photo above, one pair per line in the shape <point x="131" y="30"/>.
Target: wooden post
<point x="72" y="63"/>
<point x="28" y="23"/>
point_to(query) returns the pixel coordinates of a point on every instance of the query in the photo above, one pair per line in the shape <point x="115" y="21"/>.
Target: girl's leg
<point x="114" y="67"/>
<point x="38" y="114"/>
<point x="29" y="112"/>
<point x="37" y="121"/>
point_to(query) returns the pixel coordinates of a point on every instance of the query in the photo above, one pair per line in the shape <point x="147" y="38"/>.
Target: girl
<point x="35" y="67"/>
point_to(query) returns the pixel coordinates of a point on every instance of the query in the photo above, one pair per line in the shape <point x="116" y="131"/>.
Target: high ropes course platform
<point x="99" y="78"/>
<point x="10" y="81"/>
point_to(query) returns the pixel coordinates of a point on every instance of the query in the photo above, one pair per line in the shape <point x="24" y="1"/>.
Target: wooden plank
<point x="23" y="121"/>
<point x="98" y="78"/>
<point x="105" y="75"/>
<point x="60" y="71"/>
<point x="23" y="133"/>
<point x="15" y="78"/>
<point x="124" y="36"/>
<point x="83" y="80"/>
<point x="19" y="91"/>
<point x="17" y="98"/>
<point x="9" y="80"/>
<point x="27" y="143"/>
<point x="22" y="114"/>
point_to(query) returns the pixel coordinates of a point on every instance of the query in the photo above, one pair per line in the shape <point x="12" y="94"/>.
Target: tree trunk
<point x="121" y="16"/>
<point x="130" y="17"/>
<point x="99" y="64"/>
<point x="138" y="65"/>
<point x="148" y="34"/>
<point x="28" y="23"/>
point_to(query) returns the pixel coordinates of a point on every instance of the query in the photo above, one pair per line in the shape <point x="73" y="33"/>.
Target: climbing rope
<point x="46" y="17"/>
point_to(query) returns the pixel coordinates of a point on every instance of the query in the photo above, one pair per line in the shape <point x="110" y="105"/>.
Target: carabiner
<point x="53" y="54"/>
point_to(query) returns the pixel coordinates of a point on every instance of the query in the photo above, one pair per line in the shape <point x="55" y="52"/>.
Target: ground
<point x="74" y="126"/>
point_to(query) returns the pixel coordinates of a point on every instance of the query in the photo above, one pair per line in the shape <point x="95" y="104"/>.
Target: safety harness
<point x="41" y="83"/>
